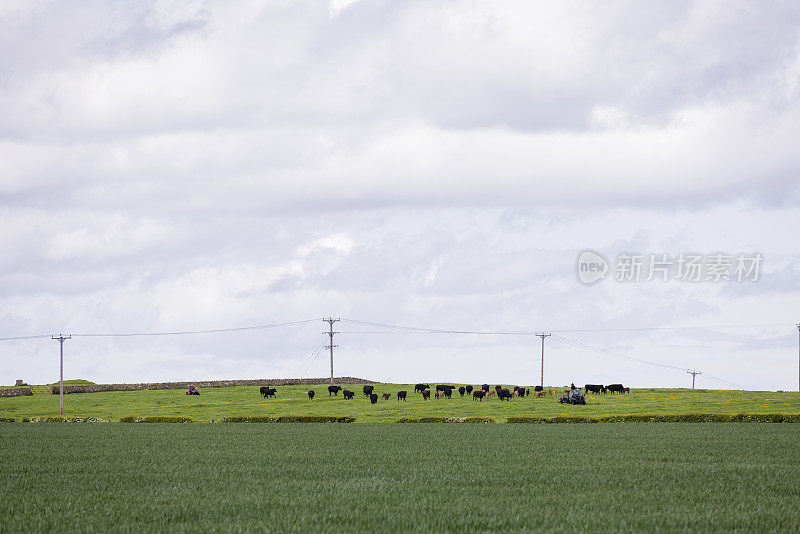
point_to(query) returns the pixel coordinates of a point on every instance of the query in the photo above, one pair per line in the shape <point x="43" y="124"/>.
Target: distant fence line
<point x="94" y="388"/>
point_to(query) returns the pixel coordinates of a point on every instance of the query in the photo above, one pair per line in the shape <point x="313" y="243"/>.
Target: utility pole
<point x="693" y="373"/>
<point x="543" y="335"/>
<point x="330" y="321"/>
<point x="798" y="356"/>
<point x="61" y="339"/>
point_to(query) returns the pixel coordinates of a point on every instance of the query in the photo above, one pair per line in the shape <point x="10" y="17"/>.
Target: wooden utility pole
<point x="330" y="321"/>
<point x="543" y="335"/>
<point x="693" y="373"/>
<point x="61" y="339"/>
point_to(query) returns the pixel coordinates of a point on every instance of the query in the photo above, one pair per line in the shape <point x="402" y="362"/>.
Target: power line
<point x="42" y="336"/>
<point x="644" y="329"/>
<point x="190" y="332"/>
<point x="422" y="330"/>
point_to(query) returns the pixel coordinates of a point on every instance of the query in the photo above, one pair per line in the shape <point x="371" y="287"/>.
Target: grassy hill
<point x="215" y="403"/>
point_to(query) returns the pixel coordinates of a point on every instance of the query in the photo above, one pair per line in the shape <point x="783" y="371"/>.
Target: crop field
<point x="410" y="478"/>
<point x="215" y="403"/>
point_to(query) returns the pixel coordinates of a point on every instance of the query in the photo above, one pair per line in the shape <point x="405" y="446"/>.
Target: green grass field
<point x="215" y="403"/>
<point x="392" y="478"/>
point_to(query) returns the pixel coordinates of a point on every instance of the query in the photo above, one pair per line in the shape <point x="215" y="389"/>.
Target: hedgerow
<point x="446" y="420"/>
<point x="289" y="419"/>
<point x="665" y="418"/>
<point x="7" y="419"/>
<point x="63" y="419"/>
<point x="155" y="419"/>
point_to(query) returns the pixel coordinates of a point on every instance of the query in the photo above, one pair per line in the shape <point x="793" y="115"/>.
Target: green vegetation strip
<point x="666" y="418"/>
<point x="289" y="419"/>
<point x="399" y="478"/>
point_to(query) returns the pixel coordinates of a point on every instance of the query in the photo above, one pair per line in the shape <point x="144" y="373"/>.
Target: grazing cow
<point x="469" y="390"/>
<point x="626" y="390"/>
<point x="270" y="392"/>
<point x="498" y="388"/>
<point x="401" y="395"/>
<point x="420" y="387"/>
<point x="348" y="394"/>
<point x="615" y="387"/>
<point x="594" y="388"/>
<point x="368" y="390"/>
<point x="386" y="396"/>
<point x="528" y="391"/>
<point x="538" y="388"/>
<point x="334" y="390"/>
<point x="426" y="394"/>
<point x="444" y="387"/>
<point x="504" y="394"/>
<point x="461" y="390"/>
<point x="310" y="394"/>
<point x="373" y="398"/>
<point x="478" y="394"/>
<point x="263" y="391"/>
<point x="448" y="392"/>
<point x="485" y="387"/>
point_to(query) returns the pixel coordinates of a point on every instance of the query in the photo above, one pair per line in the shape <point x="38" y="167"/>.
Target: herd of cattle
<point x="446" y="391"/>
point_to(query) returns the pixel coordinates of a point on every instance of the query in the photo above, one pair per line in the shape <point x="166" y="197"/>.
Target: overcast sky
<point x="174" y="165"/>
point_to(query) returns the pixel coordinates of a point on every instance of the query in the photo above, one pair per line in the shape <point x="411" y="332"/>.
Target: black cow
<point x="426" y="394"/>
<point x="401" y="395"/>
<point x="419" y="387"/>
<point x="528" y="391"/>
<point x="538" y="388"/>
<point x="263" y="391"/>
<point x="373" y="398"/>
<point x="469" y="390"/>
<point x="485" y="387"/>
<point x="517" y="391"/>
<point x="444" y="387"/>
<point x="594" y="388"/>
<point x="498" y="388"/>
<point x="504" y="394"/>
<point x="448" y="392"/>
<point x="334" y="390"/>
<point x="310" y="394"/>
<point x="461" y="390"/>
<point x="270" y="392"/>
<point x="615" y="387"/>
<point x="478" y="394"/>
<point x="348" y="394"/>
<point x="368" y="390"/>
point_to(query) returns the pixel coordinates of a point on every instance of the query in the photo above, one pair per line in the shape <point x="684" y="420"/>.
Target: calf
<point x="368" y="390"/>
<point x="373" y="398"/>
<point x="527" y="391"/>
<point x="426" y="394"/>
<point x="420" y="387"/>
<point x="490" y="393"/>
<point x="310" y="394"/>
<point x="504" y="394"/>
<point x="401" y="395"/>
<point x="626" y="390"/>
<point x="334" y="390"/>
<point x="469" y="390"/>
<point x="478" y="394"/>
<point x="348" y="394"/>
<point x="439" y="394"/>
<point x="594" y="388"/>
<point x="386" y="396"/>
<point x="461" y="390"/>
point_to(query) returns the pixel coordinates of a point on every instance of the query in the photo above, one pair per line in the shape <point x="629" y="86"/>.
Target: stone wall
<point x="15" y="392"/>
<point x="93" y="388"/>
